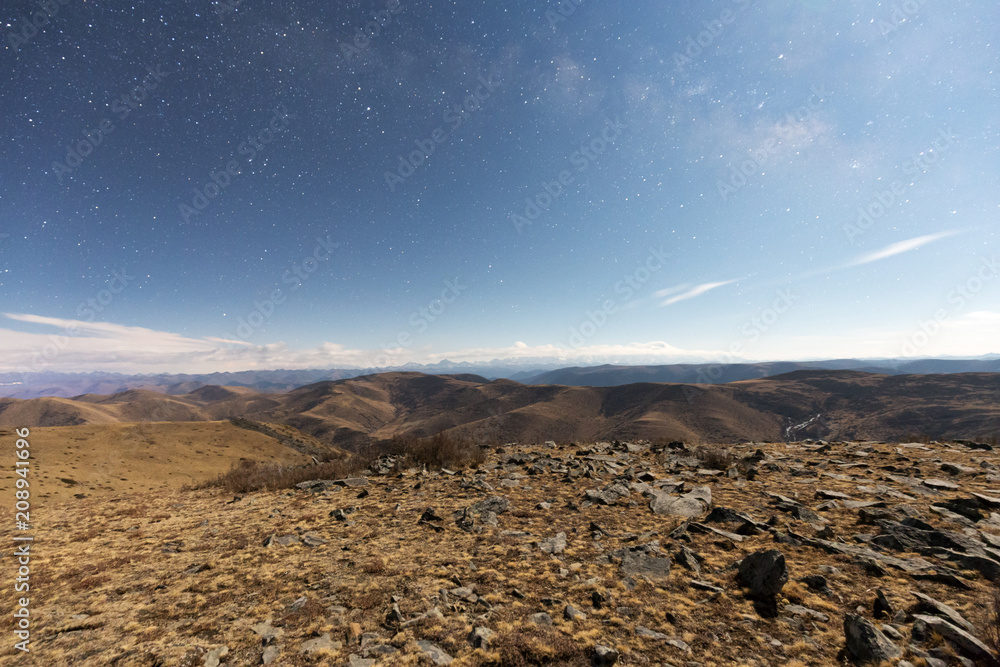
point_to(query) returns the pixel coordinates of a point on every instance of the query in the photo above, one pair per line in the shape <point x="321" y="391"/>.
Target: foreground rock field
<point x="807" y="553"/>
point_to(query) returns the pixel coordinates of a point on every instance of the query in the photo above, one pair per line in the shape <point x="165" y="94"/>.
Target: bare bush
<point x="248" y="476"/>
<point x="715" y="457"/>
<point x="438" y="451"/>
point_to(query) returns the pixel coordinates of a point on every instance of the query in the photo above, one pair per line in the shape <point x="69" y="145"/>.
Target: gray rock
<point x="806" y="612"/>
<point x="866" y="643"/>
<point x="496" y="504"/>
<point x="571" y="613"/>
<point x="604" y="656"/>
<point x="969" y="646"/>
<point x="941" y="484"/>
<point x="654" y="567"/>
<point x="688" y="559"/>
<point x="312" y="540"/>
<point x="609" y="495"/>
<point x="932" y="607"/>
<point x="271" y="653"/>
<point x="480" y="637"/>
<point x="649" y="634"/>
<point x="320" y="643"/>
<point x="214" y="657"/>
<point x="267" y="632"/>
<point x="705" y="586"/>
<point x="541" y="618"/>
<point x="553" y="545"/>
<point x="882" y="608"/>
<point x="691" y="505"/>
<point x="764" y="573"/>
<point x="355" y="660"/>
<point x="435" y="653"/>
<point x="681" y="644"/>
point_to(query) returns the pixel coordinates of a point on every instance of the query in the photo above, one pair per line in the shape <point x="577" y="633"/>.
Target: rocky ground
<point x="807" y="553"/>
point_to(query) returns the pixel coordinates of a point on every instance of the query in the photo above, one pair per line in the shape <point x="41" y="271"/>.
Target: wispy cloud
<point x="900" y="247"/>
<point x="686" y="291"/>
<point x="75" y="346"/>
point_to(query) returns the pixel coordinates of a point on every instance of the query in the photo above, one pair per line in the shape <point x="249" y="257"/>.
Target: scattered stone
<point x="963" y="642"/>
<point x="604" y="656"/>
<point x="320" y="644"/>
<point x="941" y="485"/>
<point x="435" y="653"/>
<point x="571" y="613"/>
<point x="214" y="657"/>
<point x="688" y="559"/>
<point x="553" y="545"/>
<point x="680" y="643"/>
<point x="312" y="540"/>
<point x="267" y="632"/>
<point x="480" y="637"/>
<point x="881" y="608"/>
<point x="866" y="643"/>
<point x="705" y="586"/>
<point x="691" y="505"/>
<point x="823" y="494"/>
<point x="932" y="607"/>
<point x="806" y="612"/>
<point x="271" y="653"/>
<point x="764" y="573"/>
<point x="541" y="618"/>
<point x="609" y="495"/>
<point x="649" y="634"/>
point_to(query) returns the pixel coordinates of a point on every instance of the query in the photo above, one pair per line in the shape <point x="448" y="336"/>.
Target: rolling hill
<point x="352" y="412"/>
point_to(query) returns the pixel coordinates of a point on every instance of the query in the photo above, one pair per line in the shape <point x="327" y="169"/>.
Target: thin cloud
<point x="900" y="247"/>
<point x="689" y="292"/>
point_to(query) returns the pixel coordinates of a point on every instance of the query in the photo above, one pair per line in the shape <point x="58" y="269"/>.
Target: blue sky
<point x="196" y="186"/>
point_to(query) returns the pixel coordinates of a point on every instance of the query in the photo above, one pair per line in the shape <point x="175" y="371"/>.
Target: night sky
<point x="201" y="186"/>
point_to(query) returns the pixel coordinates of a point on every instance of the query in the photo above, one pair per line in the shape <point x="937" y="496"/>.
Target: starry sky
<point x="193" y="186"/>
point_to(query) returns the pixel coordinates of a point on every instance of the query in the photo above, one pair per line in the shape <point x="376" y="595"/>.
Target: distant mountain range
<point x="542" y="371"/>
<point x="352" y="412"/>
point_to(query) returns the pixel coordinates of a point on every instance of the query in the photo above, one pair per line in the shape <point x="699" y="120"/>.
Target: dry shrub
<point x="247" y="475"/>
<point x="534" y="645"/>
<point x="374" y="566"/>
<point x="715" y="457"/>
<point x="438" y="451"/>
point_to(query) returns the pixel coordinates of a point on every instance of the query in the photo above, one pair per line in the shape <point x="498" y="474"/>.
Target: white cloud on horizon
<point x="135" y="350"/>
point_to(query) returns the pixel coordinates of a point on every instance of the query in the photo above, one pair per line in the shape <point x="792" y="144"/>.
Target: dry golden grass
<point x="146" y="577"/>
